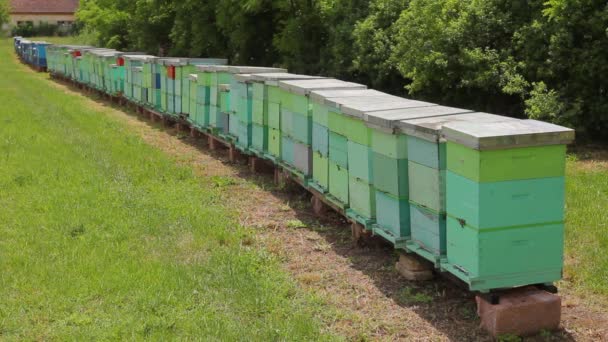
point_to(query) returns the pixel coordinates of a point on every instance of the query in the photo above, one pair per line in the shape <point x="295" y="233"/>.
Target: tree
<point x="542" y="59"/>
<point x="4" y="12"/>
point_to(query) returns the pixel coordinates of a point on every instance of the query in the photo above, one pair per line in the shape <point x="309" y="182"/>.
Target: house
<point x="58" y="12"/>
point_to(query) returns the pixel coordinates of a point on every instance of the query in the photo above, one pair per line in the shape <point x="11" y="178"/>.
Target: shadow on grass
<point x="443" y="302"/>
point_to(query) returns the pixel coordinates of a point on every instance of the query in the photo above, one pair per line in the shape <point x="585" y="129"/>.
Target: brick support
<point x="522" y="312"/>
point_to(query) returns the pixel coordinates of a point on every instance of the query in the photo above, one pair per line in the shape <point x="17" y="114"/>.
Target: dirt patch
<point x="363" y="297"/>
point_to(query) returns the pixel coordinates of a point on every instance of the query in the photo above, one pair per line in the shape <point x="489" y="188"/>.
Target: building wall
<point x="37" y="18"/>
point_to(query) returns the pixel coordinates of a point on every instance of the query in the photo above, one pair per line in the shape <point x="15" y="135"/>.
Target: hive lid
<point x="182" y="61"/>
<point x="174" y="61"/>
<point x="205" y="68"/>
<point x="243" y="78"/>
<point x="139" y="57"/>
<point x="304" y="87"/>
<point x="193" y="77"/>
<point x="508" y="134"/>
<point x="429" y="128"/>
<point x="407" y="109"/>
<point x="362" y="106"/>
<point x="273" y="78"/>
<point x="277" y="76"/>
<point x="104" y="53"/>
<point x="323" y="96"/>
<point x="235" y="69"/>
<point x="98" y="51"/>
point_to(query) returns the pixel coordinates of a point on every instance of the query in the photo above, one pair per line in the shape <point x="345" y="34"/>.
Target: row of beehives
<point x="31" y="52"/>
<point x="479" y="195"/>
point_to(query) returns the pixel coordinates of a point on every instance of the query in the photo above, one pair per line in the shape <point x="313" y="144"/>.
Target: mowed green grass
<point x="103" y="237"/>
<point x="587" y="225"/>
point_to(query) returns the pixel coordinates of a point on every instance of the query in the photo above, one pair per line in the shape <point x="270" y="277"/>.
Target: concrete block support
<point x="522" y="312"/>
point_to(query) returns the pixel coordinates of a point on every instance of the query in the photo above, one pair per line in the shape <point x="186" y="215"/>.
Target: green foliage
<point x="4" y="17"/>
<point x="42" y="30"/>
<point x="545" y="59"/>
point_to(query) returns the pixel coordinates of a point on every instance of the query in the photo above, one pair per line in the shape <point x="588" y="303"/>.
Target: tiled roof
<point x="43" y="6"/>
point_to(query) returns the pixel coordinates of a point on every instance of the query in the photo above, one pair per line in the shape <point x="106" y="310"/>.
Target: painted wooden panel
<point x="274" y="115"/>
<point x="427" y="186"/>
<point x="431" y="154"/>
<point x="504" y="204"/>
<point x="301" y="128"/>
<point x="428" y="229"/>
<point x="274" y="142"/>
<point x="245" y="135"/>
<point x="508" y="164"/>
<point x="338" y="182"/>
<point x="258" y="91"/>
<point x="391" y="175"/>
<point x="320" y="113"/>
<point x="534" y="255"/>
<point x="390" y="145"/>
<point x="320" y="173"/>
<point x="393" y="214"/>
<point x="274" y="94"/>
<point x="287" y="150"/>
<point x="338" y="149"/>
<point x="362" y="197"/>
<point x="225" y="101"/>
<point x="259" y="139"/>
<point x="320" y="139"/>
<point x="303" y="158"/>
<point x="259" y="111"/>
<point x="233" y="125"/>
<point x="360" y="163"/>
<point x="286" y="122"/>
<point x="296" y="103"/>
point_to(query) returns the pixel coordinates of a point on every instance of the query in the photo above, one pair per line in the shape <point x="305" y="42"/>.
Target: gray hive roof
<point x="509" y="134"/>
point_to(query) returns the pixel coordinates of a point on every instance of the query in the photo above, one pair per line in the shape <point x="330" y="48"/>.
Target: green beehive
<point x="427" y="171"/>
<point x="177" y="89"/>
<point x="133" y="67"/>
<point x="92" y="67"/>
<point x="239" y="106"/>
<point x="261" y="86"/>
<point x="295" y="94"/>
<point x="97" y="77"/>
<point x="194" y="117"/>
<point x="516" y="211"/>
<point x="296" y="117"/>
<point x="151" y="82"/>
<point x="265" y="108"/>
<point x="224" y="76"/>
<point x="321" y="105"/>
<point x="388" y="154"/>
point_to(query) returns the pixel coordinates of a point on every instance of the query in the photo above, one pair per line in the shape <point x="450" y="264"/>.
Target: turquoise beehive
<point x="505" y="197"/>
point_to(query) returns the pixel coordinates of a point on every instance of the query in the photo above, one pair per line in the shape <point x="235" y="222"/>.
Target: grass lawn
<point x="104" y="237"/>
<point x="587" y="222"/>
